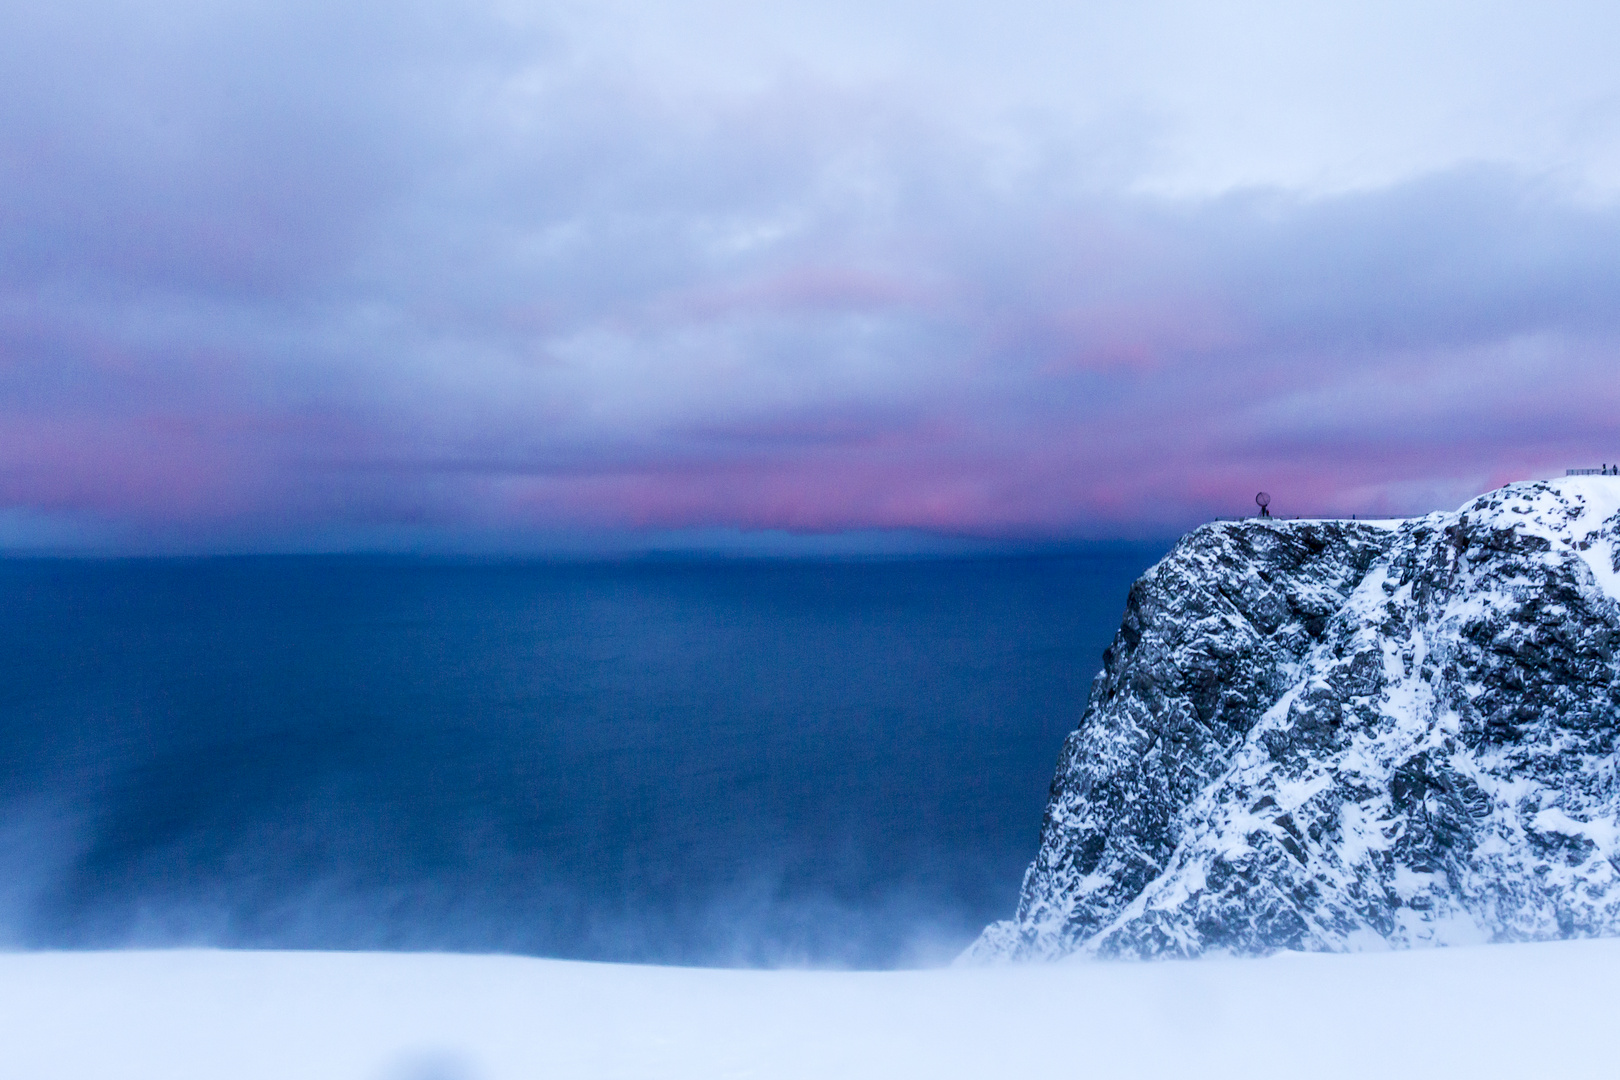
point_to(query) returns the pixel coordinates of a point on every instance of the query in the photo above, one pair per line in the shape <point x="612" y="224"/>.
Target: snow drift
<point x="1513" y="1011"/>
<point x="1331" y="735"/>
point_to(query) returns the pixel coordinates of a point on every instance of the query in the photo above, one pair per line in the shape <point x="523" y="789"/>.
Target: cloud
<point x="269" y="273"/>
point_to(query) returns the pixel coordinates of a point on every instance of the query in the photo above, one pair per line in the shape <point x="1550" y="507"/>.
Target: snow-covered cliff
<point x="1337" y="736"/>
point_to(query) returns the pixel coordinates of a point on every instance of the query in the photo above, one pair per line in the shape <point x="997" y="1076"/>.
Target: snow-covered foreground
<point x="1509" y="1011"/>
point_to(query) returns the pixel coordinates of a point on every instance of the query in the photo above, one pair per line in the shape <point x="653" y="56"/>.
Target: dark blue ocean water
<point x="687" y="761"/>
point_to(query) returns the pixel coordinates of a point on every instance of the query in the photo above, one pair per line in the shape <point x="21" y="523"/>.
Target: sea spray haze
<point x="702" y="761"/>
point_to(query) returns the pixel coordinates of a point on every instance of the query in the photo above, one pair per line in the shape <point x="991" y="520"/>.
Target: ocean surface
<point x="692" y="761"/>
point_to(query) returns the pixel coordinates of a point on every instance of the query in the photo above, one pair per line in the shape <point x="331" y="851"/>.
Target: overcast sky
<point x="297" y="275"/>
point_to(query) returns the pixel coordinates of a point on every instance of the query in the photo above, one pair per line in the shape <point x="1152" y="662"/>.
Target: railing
<point x="1306" y="517"/>
<point x="1585" y="472"/>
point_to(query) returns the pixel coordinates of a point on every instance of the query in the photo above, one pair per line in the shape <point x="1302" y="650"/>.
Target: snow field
<point x="1490" y="1011"/>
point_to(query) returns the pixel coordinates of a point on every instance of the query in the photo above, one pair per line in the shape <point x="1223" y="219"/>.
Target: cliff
<point x="1334" y="736"/>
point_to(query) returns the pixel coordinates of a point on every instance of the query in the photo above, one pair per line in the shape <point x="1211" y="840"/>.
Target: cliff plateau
<point x="1332" y="735"/>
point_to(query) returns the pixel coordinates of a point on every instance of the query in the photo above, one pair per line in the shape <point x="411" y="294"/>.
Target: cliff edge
<point x="1330" y="735"/>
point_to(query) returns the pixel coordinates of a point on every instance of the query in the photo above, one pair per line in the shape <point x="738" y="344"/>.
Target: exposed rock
<point x="1338" y="735"/>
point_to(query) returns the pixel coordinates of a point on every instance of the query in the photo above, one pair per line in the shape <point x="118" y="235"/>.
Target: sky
<point x="311" y="276"/>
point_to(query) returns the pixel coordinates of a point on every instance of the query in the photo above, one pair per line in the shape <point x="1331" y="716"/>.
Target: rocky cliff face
<point x="1336" y="736"/>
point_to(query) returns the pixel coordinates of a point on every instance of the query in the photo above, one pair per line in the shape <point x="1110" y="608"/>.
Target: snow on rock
<point x="1336" y="736"/>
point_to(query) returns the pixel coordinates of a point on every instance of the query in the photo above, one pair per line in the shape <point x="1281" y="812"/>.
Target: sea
<point x="676" y="760"/>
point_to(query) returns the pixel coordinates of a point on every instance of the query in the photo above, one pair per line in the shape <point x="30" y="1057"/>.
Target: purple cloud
<point x="267" y="276"/>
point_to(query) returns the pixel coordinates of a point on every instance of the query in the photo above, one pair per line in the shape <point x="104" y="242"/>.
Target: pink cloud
<point x="404" y="294"/>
